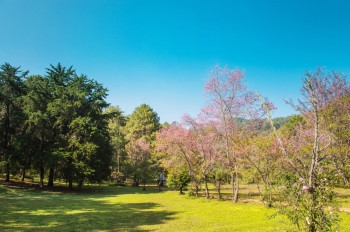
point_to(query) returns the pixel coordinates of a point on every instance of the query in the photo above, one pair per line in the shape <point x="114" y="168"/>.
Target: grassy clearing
<point x="112" y="208"/>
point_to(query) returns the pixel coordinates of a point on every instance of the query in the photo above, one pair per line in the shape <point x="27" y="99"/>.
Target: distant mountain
<point x="264" y="124"/>
<point x="278" y="122"/>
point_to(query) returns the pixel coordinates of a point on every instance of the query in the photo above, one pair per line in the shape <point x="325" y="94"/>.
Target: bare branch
<point x="279" y="140"/>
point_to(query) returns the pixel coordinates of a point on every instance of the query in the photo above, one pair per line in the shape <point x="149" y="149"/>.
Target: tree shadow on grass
<point x="96" y="190"/>
<point x="33" y="211"/>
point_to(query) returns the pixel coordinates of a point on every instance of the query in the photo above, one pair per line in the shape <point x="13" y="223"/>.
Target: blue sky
<point x="160" y="52"/>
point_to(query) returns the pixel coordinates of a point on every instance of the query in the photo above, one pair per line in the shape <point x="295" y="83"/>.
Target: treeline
<point x="60" y="127"/>
<point x="234" y="138"/>
<point x="53" y="125"/>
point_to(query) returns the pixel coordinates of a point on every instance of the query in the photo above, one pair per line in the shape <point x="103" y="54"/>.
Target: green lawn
<point x="111" y="208"/>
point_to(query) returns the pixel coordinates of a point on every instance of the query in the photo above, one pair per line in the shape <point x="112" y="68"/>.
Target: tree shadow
<point x="32" y="211"/>
<point x="87" y="189"/>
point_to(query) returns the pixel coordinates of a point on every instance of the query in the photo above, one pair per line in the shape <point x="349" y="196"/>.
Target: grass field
<point x="112" y="208"/>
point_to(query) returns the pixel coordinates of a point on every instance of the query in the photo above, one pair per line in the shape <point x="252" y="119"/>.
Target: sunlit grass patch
<point x="114" y="208"/>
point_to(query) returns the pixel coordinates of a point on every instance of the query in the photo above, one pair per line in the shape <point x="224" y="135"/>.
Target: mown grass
<point x="115" y="208"/>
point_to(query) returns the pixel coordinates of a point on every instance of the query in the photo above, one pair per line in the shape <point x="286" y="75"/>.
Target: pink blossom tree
<point x="138" y="151"/>
<point x="176" y="149"/>
<point x="206" y="144"/>
<point x="308" y="183"/>
<point x="235" y="110"/>
<point x="194" y="142"/>
<point x="335" y="119"/>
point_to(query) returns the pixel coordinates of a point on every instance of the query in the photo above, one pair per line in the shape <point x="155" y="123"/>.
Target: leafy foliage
<point x="54" y="122"/>
<point x="141" y="130"/>
<point x="179" y="180"/>
<point x="12" y="91"/>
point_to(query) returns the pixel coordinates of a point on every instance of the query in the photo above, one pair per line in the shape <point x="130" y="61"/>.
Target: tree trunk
<point x="118" y="163"/>
<point x="7" y="172"/>
<point x="136" y="182"/>
<point x="235" y="187"/>
<point x="313" y="219"/>
<point x="258" y="186"/>
<point x="268" y="196"/>
<point x="41" y="182"/>
<point x="23" y="174"/>
<point x="6" y="142"/>
<point x="80" y="183"/>
<point x="51" y="175"/>
<point x="206" y="187"/>
<point x="196" y="189"/>
<point x="314" y="165"/>
<point x="219" y="189"/>
<point x="70" y="183"/>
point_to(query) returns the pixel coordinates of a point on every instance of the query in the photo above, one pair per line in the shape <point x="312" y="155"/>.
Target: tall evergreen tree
<point x="141" y="132"/>
<point x="40" y="135"/>
<point x="83" y="140"/>
<point x="116" y="127"/>
<point x="12" y="90"/>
